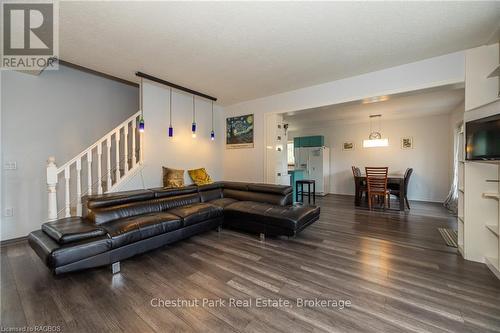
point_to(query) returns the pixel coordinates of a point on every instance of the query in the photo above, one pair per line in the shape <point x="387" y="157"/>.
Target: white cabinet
<point x="479" y="203"/>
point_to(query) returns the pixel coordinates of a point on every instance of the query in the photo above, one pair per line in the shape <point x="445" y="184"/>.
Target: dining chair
<point x="376" y="180"/>
<point x="395" y="188"/>
<point x="356" y="172"/>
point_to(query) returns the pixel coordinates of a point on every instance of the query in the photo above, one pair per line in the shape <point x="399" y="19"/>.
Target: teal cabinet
<point x="309" y="141"/>
<point x="316" y="141"/>
<point x="306" y="141"/>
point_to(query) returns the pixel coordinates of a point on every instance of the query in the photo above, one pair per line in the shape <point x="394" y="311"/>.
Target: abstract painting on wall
<point x="239" y="131"/>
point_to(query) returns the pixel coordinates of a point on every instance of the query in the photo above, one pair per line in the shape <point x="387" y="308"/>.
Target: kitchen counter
<point x="295" y="174"/>
<point x="294" y="169"/>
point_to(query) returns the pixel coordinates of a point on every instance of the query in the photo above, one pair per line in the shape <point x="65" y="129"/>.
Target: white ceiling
<point x="243" y="50"/>
<point x="416" y="104"/>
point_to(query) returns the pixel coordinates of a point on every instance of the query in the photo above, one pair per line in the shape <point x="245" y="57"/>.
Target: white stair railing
<point x="126" y="161"/>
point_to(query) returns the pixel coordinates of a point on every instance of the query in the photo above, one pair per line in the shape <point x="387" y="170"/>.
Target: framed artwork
<point x="407" y="142"/>
<point x="239" y="131"/>
<point x="348" y="145"/>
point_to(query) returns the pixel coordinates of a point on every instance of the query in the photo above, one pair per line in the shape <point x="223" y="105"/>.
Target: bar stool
<point x="308" y="193"/>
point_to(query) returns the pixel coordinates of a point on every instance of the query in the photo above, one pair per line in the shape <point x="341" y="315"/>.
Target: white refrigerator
<point x="315" y="163"/>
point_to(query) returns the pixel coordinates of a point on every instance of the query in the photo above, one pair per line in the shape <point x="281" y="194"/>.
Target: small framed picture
<point x="407" y="142"/>
<point x="348" y="145"/>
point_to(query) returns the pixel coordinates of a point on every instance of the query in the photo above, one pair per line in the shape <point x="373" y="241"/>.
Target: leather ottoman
<point x="269" y="219"/>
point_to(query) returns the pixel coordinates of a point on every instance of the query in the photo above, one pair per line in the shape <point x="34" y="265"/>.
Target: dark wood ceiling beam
<point x="175" y="86"/>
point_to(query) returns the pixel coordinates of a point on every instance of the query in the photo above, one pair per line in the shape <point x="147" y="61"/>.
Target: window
<point x="291" y="157"/>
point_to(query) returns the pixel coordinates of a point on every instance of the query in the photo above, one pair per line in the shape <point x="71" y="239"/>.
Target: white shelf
<point x="495" y="73"/>
<point x="486" y="161"/>
<point x="491" y="195"/>
<point x="493" y="228"/>
<point x="492" y="263"/>
<point x="479" y="237"/>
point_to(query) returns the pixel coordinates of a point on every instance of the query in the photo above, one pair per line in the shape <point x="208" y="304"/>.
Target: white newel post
<point x="52" y="187"/>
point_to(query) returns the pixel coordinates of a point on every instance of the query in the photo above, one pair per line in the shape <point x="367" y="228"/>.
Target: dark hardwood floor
<point x="393" y="268"/>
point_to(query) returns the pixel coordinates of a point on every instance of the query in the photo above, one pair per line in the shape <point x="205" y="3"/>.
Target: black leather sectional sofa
<point x="116" y="226"/>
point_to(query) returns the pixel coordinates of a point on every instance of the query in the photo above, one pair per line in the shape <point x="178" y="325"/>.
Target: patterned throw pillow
<point x="200" y="176"/>
<point x="173" y="177"/>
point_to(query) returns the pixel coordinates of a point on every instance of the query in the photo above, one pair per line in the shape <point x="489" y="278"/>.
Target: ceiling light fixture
<point x="193" y="125"/>
<point x="375" y="99"/>
<point x="170" y="128"/>
<point x="141" y="118"/>
<point x="212" y="133"/>
<point x="375" y="138"/>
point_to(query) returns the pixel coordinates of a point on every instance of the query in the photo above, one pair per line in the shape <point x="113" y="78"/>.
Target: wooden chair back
<point x="376" y="180"/>
<point x="407" y="176"/>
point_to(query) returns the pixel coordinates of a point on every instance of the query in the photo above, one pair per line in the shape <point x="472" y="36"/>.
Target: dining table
<point x="360" y="182"/>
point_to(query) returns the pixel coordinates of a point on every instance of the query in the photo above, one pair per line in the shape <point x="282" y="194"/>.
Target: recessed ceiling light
<point x="375" y="99"/>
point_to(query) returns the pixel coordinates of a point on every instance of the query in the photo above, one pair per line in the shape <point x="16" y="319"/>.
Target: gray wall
<point x="58" y="113"/>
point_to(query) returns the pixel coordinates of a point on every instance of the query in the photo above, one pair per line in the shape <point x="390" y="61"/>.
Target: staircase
<point x="101" y="168"/>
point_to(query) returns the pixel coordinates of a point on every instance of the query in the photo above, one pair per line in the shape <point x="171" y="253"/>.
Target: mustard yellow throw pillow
<point x="173" y="177"/>
<point x="200" y="176"/>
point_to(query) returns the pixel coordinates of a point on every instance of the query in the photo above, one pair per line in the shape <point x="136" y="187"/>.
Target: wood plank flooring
<point x="392" y="267"/>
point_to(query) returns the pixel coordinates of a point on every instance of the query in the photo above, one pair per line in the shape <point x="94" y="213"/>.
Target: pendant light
<point x="193" y="125"/>
<point x="375" y="138"/>
<point x="141" y="118"/>
<point x="170" y="128"/>
<point x="212" y="133"/>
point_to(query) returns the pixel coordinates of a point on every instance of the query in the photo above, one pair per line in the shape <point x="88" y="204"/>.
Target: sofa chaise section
<point x="265" y="209"/>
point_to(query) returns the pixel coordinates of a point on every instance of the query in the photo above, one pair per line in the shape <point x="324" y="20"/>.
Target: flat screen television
<point x="483" y="139"/>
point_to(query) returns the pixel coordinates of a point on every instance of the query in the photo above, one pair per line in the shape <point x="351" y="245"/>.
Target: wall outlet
<point x="10" y="165"/>
<point x="8" y="212"/>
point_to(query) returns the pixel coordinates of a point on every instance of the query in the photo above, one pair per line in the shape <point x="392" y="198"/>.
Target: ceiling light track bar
<point x="175" y="86"/>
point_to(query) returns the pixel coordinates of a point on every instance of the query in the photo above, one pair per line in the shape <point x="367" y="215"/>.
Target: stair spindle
<point x="52" y="187"/>
<point x="125" y="149"/>
<point x="117" y="156"/>
<point x="134" y="125"/>
<point x="89" y="172"/>
<point x="108" y="164"/>
<point x="99" y="168"/>
<point x="67" y="203"/>
<point x="79" y="187"/>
